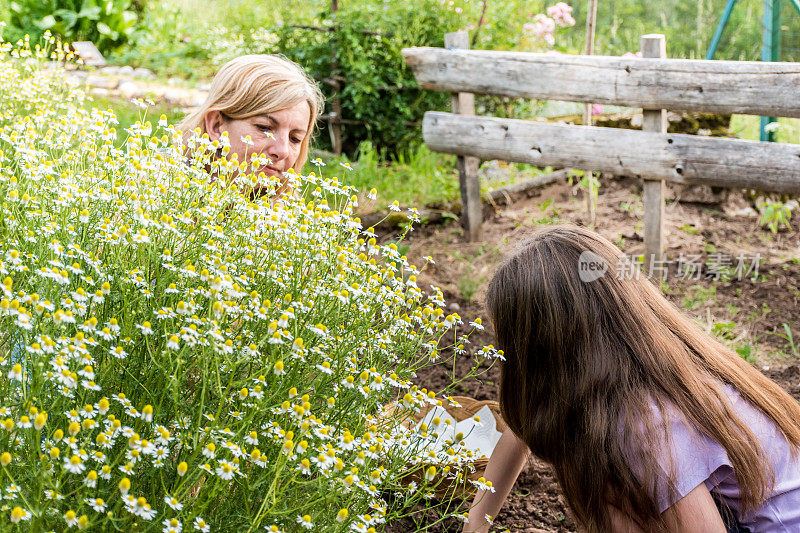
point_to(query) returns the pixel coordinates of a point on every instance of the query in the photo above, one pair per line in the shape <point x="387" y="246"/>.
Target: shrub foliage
<point x="107" y="23"/>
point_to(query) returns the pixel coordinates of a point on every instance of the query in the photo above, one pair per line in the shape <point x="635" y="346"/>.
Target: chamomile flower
<point x="173" y="503"/>
<point x="172" y="525"/>
<point x="251" y="438"/>
<point x="16" y="372"/>
<point x="19" y="514"/>
<point x="201" y="525"/>
<point x="146" y="328"/>
<point x="97" y="504"/>
<point x="305" y="522"/>
<point x="91" y="479"/>
<point x="118" y="352"/>
<point x="74" y="464"/>
<point x="225" y="470"/>
<point x="209" y="450"/>
<point x="482" y="484"/>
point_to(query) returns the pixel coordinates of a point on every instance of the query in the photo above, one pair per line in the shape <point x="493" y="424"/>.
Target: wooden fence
<point x="652" y="82"/>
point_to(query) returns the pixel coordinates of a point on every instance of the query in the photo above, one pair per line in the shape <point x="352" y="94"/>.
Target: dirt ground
<point x="758" y="315"/>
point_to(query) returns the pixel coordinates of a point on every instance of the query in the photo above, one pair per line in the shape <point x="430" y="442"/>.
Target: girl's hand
<point x="505" y="464"/>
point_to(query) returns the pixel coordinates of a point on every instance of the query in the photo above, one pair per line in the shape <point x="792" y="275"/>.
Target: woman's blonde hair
<point x="255" y="85"/>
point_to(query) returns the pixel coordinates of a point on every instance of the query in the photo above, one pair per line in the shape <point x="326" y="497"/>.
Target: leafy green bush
<point x="177" y="356"/>
<point x="377" y="88"/>
<point x="162" y="44"/>
<point x="107" y="23"/>
<point x="170" y="42"/>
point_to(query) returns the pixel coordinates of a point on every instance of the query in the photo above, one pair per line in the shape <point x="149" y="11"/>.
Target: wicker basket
<point x="450" y="488"/>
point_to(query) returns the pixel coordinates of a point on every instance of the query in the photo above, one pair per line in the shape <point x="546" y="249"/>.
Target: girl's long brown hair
<point x="586" y="361"/>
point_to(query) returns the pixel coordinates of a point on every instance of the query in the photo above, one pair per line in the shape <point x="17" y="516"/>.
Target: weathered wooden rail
<point x="675" y="157"/>
<point x="652" y="82"/>
<point x="724" y="87"/>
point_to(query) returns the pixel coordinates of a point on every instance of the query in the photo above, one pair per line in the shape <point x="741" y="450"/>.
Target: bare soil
<point x="752" y="314"/>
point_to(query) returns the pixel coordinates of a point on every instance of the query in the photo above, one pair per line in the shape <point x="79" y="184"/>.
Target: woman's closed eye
<point x="266" y="130"/>
<point x="269" y="131"/>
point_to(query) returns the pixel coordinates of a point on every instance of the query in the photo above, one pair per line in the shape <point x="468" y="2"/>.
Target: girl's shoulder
<point x="686" y="457"/>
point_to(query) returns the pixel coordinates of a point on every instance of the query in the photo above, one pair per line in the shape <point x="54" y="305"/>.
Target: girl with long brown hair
<point x="649" y="423"/>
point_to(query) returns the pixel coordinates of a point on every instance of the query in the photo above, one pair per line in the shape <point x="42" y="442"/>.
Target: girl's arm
<point x="505" y="464"/>
<point x="694" y="513"/>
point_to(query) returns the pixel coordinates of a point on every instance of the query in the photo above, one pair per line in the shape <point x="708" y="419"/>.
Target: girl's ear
<point x="214" y="123"/>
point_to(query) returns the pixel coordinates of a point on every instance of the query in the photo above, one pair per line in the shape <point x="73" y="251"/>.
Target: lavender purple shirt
<point x="699" y="459"/>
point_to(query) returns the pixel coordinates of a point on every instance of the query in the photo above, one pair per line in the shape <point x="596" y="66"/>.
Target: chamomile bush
<point x="176" y="356"/>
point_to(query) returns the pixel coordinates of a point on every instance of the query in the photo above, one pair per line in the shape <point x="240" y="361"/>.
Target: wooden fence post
<point x="653" y="45"/>
<point x="464" y="104"/>
<point x="588" y="49"/>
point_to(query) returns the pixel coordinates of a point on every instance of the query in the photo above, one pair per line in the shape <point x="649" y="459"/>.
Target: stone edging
<point x="131" y="83"/>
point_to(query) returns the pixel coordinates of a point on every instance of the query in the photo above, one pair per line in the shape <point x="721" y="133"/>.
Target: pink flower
<point x="631" y="54"/>
<point x="542" y="28"/>
<point x="597" y="109"/>
<point x="561" y="14"/>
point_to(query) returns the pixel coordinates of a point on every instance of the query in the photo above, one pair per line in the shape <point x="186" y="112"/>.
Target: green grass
<point x="551" y="217"/>
<point x="689" y="229"/>
<point x="748" y="352"/>
<point x="469" y="284"/>
<point x="417" y="177"/>
<point x="788" y="336"/>
<point x="748" y="127"/>
<point x="697" y="295"/>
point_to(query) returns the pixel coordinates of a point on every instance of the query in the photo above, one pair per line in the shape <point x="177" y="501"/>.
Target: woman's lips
<point x="273" y="171"/>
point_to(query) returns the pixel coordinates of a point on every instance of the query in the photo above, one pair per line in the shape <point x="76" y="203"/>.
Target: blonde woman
<point x="267" y="105"/>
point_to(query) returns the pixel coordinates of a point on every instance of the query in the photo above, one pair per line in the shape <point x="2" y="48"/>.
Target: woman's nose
<point x="278" y="148"/>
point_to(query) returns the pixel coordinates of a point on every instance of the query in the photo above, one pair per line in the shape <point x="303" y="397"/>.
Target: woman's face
<point x="277" y="135"/>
